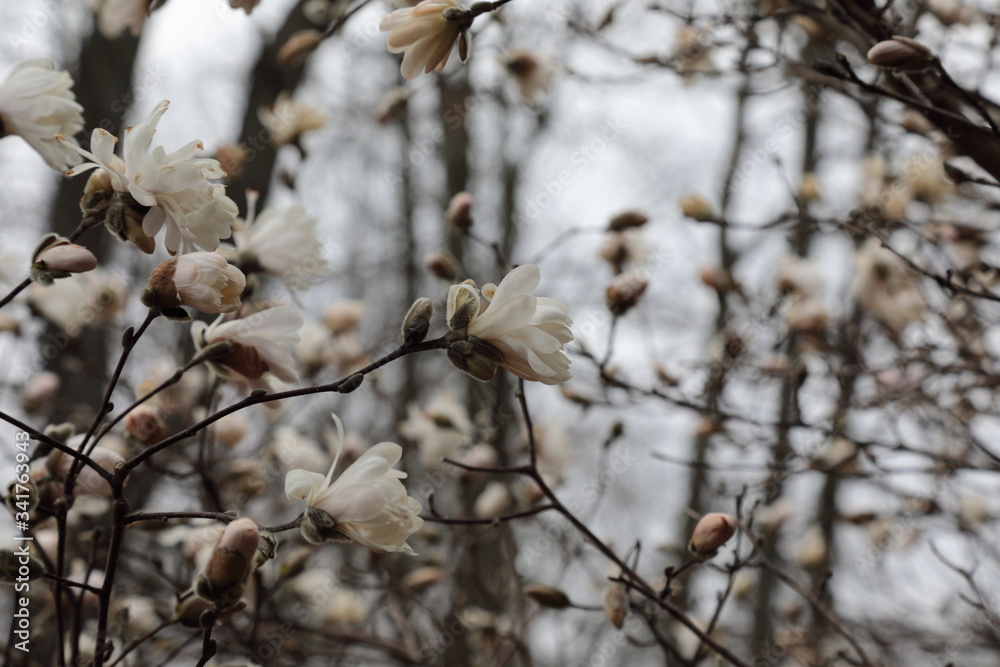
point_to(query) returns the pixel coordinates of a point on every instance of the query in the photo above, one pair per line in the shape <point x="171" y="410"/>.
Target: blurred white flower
<point x="438" y="429"/>
<point x="36" y="103"/>
<point x="260" y="344"/>
<point x="367" y="503"/>
<point x="201" y="280"/>
<point x="114" y="17"/>
<point x="522" y="333"/>
<point x="887" y="288"/>
<point x="531" y="71"/>
<point x="425" y="36"/>
<point x="88" y="481"/>
<point x="281" y="241"/>
<point x="175" y="187"/>
<point x="287" y="120"/>
<point x="79" y="301"/>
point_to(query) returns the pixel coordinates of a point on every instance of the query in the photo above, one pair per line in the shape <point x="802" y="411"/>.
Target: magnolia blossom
<point x="281" y="241"/>
<point x="425" y="36"/>
<point x="36" y="103"/>
<point x="522" y="333"/>
<point x="202" y="280"/>
<point x="174" y="186"/>
<point x="367" y="503"/>
<point x="259" y="345"/>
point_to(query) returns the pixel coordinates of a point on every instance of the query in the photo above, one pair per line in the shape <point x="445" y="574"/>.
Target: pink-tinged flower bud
<point x="55" y="257"/>
<point x="711" y="532"/>
<point x="226" y="573"/>
<point x="548" y="596"/>
<point x="144" y="425"/>
<point x="459" y="213"/>
<point x="616" y="605"/>
<point x="204" y="281"/>
<point x="422" y="578"/>
<point x="298" y="47"/>
<point x="39" y="390"/>
<point x="901" y="53"/>
<point x="626" y="220"/>
<point x="697" y="208"/>
<point x="442" y="264"/>
<point x="88" y="482"/>
<point x="343" y="316"/>
<point x="625" y="291"/>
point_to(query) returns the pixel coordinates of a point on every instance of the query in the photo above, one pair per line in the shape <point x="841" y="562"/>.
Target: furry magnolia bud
<point x="474" y="358"/>
<point x="224" y="576"/>
<point x="711" y="532"/>
<point x="417" y="322"/>
<point x="901" y="53"/>
<point x="55" y="257"/>
<point x="625" y="291"/>
<point x="616" y="605"/>
<point x="459" y="213"/>
<point x="548" y="596"/>
<point x="626" y="220"/>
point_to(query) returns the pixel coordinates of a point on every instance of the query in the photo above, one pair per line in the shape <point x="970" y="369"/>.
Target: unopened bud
<point x="715" y="277"/>
<point x="459" y="213"/>
<point x="19" y="567"/>
<point x="351" y="383"/>
<point x="901" y="53"/>
<point x="626" y="220"/>
<point x="39" y="390"/>
<point x="469" y="358"/>
<point x="547" y="596"/>
<point x="55" y="257"/>
<point x="711" y="532"/>
<point x="809" y="189"/>
<point x="298" y="47"/>
<point x="442" y="264"/>
<point x="463" y="304"/>
<point x="421" y="579"/>
<point x="144" y="426"/>
<point x="22" y="497"/>
<point x="625" y="291"/>
<point x="417" y="322"/>
<point x="190" y="610"/>
<point x="697" y="208"/>
<point x="616" y="605"/>
<point x="226" y="572"/>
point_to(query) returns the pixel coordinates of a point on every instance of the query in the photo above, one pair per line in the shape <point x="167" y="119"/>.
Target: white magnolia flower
<point x="36" y="103"/>
<point x="204" y="281"/>
<point x="260" y="344"/>
<point x="425" y="36"/>
<point x="175" y="186"/>
<point x="522" y="333"/>
<point x="281" y="241"/>
<point x="367" y="503"/>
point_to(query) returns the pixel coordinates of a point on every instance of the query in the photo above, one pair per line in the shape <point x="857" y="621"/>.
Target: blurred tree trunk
<point x="104" y="87"/>
<point x="268" y="80"/>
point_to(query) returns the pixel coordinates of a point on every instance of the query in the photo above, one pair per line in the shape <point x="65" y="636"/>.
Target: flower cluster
<point x="172" y="190"/>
